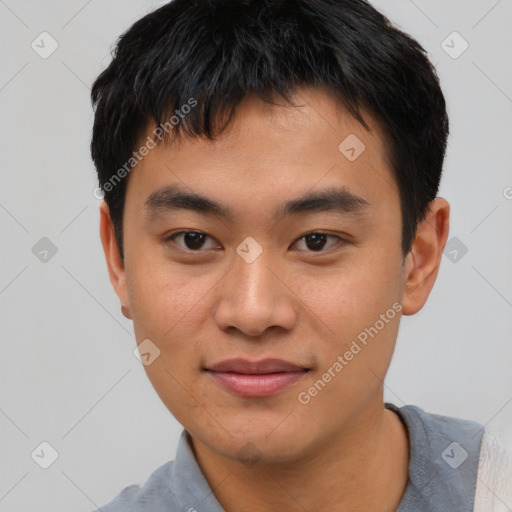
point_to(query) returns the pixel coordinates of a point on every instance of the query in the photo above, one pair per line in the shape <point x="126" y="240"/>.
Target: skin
<point x="342" y="451"/>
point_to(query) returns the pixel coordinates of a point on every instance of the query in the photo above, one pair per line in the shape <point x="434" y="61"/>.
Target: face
<point x="267" y="268"/>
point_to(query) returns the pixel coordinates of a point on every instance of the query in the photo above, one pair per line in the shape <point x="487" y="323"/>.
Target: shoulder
<point x="440" y="425"/>
<point x="494" y="483"/>
<point x="440" y="437"/>
<point x="173" y="487"/>
<point x="444" y="457"/>
<point x="157" y="494"/>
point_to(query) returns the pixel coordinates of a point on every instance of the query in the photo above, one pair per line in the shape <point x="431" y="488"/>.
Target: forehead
<point x="269" y="153"/>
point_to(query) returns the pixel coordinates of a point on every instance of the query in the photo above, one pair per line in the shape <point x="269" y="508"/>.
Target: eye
<point x="192" y="240"/>
<point x="317" y="242"/>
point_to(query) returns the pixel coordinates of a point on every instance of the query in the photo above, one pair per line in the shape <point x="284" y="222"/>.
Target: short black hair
<point x="216" y="52"/>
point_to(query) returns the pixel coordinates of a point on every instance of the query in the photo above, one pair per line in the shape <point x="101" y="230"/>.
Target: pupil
<point x="194" y="240"/>
<point x="316" y="242"/>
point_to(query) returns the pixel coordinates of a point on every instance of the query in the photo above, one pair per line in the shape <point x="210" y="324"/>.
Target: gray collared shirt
<point x="443" y="464"/>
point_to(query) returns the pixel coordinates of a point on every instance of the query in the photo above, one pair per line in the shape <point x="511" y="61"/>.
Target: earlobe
<point x="424" y="259"/>
<point x="126" y="312"/>
<point x="113" y="259"/>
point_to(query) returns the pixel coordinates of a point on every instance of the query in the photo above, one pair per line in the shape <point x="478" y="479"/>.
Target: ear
<point x="423" y="260"/>
<point x="115" y="265"/>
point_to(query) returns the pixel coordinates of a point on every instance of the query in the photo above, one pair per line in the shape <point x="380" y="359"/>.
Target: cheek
<point x="351" y="296"/>
<point x="166" y="299"/>
<point x="170" y="307"/>
<point x="357" y="314"/>
<point x="362" y="317"/>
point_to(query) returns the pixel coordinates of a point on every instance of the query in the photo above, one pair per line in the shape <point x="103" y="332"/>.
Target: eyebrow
<point x="335" y="199"/>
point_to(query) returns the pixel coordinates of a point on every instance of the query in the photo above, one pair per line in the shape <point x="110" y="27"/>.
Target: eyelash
<point x="172" y="238"/>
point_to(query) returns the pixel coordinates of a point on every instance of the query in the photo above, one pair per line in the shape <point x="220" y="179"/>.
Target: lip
<point x="252" y="379"/>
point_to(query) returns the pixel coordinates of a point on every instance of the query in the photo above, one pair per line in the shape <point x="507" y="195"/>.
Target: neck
<point x="365" y="467"/>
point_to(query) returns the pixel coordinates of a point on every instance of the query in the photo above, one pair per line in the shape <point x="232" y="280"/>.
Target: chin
<point x="252" y="440"/>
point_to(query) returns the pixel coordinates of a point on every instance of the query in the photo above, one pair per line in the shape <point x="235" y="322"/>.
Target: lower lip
<point x="256" y="385"/>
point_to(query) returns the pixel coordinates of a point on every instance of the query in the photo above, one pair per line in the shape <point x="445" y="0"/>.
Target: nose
<point x="254" y="297"/>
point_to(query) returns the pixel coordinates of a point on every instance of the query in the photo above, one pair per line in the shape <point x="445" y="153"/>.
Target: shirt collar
<point x="192" y="491"/>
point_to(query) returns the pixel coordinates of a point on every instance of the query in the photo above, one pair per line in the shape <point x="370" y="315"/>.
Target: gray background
<point x="68" y="373"/>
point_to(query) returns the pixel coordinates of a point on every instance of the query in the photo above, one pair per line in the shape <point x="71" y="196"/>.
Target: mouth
<point x="253" y="379"/>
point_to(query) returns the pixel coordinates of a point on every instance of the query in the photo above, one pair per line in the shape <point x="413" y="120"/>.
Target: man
<point x="270" y="171"/>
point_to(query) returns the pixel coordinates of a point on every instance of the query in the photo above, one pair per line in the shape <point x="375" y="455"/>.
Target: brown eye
<point x="317" y="242"/>
<point x="192" y="240"/>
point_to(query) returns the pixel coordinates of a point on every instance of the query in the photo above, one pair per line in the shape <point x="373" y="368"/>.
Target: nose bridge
<point x="253" y="299"/>
<point x="253" y="282"/>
